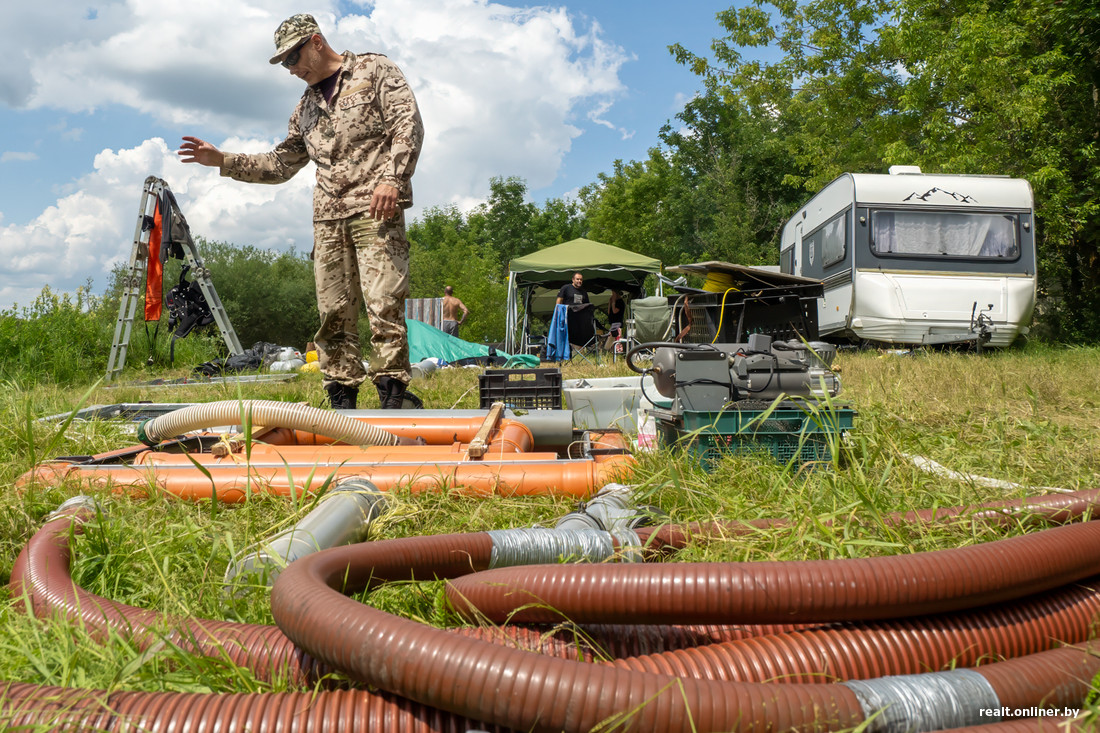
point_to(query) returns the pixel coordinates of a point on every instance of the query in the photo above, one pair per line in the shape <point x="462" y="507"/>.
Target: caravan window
<point x="945" y="233"/>
<point x="830" y="242"/>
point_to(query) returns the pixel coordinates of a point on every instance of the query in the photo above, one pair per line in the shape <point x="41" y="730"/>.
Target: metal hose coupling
<point x="543" y="546"/>
<point x="601" y="529"/>
<point x="75" y="505"/>
<point x="342" y="516"/>
<point x="610" y="509"/>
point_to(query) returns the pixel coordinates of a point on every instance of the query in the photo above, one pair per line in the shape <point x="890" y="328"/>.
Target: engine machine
<point x="715" y="377"/>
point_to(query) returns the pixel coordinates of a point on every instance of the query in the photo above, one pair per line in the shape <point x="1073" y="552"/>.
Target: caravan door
<point x="827" y="256"/>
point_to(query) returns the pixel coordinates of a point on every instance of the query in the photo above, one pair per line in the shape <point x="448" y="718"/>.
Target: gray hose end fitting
<point x="610" y="509"/>
<point x="375" y="496"/>
<point x="73" y="505"/>
<point x="342" y="516"/>
<point x="925" y="702"/>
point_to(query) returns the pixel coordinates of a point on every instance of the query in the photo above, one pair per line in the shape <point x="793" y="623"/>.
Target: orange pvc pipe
<point x="509" y="467"/>
<point x="434" y="430"/>
<point x="235" y="482"/>
<point x="335" y="455"/>
<point x="512" y="437"/>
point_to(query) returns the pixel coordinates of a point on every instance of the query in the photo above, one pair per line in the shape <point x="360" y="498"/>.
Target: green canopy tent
<point x="534" y="280"/>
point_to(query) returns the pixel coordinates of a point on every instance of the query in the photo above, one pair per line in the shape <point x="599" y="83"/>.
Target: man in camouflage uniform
<point x="359" y="122"/>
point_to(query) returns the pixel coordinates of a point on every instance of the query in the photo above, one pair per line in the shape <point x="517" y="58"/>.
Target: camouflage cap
<point x="291" y="32"/>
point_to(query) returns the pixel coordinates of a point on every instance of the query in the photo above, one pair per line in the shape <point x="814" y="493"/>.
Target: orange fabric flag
<point x="154" y="276"/>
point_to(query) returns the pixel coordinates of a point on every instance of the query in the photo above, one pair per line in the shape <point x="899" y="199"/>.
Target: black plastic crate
<point x="524" y="389"/>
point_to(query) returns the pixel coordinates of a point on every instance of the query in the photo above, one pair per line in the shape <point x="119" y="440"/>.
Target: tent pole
<point x="526" y="340"/>
<point x="510" y="316"/>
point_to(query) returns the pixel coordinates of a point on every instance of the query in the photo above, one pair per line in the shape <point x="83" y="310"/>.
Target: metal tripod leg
<point x="132" y="286"/>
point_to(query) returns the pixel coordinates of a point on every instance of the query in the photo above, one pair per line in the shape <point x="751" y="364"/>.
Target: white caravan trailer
<point x="910" y="258"/>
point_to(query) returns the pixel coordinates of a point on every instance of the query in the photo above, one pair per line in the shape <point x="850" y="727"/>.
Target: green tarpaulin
<point x="427" y="342"/>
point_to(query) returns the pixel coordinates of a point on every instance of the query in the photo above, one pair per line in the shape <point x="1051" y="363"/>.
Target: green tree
<point x="471" y="251"/>
<point x="714" y="191"/>
<point x="643" y="207"/>
<point x="559" y="220"/>
<point x="448" y="249"/>
<point x="967" y="86"/>
<point x="735" y="167"/>
<point x="512" y="226"/>
<point x="508" y="216"/>
<point x="268" y="295"/>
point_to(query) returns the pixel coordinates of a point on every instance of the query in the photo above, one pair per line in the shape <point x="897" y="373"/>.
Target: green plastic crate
<point x="788" y="432"/>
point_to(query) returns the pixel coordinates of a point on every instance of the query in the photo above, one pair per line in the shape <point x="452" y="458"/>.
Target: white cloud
<point x="202" y="62"/>
<point x="81" y="235"/>
<point x="91" y="230"/>
<point x="11" y="155"/>
<point x="42" y="27"/>
<point x="503" y="91"/>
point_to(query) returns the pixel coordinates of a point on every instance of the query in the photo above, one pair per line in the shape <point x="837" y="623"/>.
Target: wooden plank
<point x="480" y="444"/>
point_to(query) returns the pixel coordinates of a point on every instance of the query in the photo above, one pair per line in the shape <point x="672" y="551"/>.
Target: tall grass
<point x="1025" y="416"/>
<point x="63" y="339"/>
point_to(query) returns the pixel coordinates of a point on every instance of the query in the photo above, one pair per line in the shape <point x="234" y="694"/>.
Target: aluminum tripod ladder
<point x="133" y="285"/>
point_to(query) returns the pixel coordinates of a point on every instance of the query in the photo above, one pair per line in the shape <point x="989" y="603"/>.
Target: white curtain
<point x="944" y="233"/>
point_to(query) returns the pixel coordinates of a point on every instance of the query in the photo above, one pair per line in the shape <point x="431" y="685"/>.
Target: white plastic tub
<point x="608" y="402"/>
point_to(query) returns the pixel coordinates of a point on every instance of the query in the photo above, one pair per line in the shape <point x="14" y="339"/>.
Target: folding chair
<point x="652" y="318"/>
<point x="582" y="325"/>
<point x="626" y="340"/>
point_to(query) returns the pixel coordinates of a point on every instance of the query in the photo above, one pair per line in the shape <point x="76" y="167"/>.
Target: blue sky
<point x="95" y="96"/>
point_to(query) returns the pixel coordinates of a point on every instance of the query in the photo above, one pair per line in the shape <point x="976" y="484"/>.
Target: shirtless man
<point x="451" y="306"/>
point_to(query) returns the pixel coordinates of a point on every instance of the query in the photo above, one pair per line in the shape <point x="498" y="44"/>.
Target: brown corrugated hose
<point x="531" y="697"/>
<point x="526" y="691"/>
<point x="792" y="591"/>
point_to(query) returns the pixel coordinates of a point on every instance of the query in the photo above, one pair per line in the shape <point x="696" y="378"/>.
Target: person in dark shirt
<point x="573" y="293"/>
<point x="582" y="326"/>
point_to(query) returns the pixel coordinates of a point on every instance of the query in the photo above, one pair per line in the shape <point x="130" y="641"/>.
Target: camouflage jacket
<point x="369" y="133"/>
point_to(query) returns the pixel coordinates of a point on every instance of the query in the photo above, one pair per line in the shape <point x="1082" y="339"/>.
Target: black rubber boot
<point x="335" y="393"/>
<point x="341" y="396"/>
<point x="394" y="394"/>
<point x="391" y="393"/>
<point x="410" y="401"/>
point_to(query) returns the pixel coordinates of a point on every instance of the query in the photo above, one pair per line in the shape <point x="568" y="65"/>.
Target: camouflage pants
<point x="360" y="260"/>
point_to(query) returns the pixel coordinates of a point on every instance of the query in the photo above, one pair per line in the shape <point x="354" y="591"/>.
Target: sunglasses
<point x="293" y="57"/>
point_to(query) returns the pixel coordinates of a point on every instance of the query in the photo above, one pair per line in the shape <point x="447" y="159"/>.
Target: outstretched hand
<point x="194" y="150"/>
